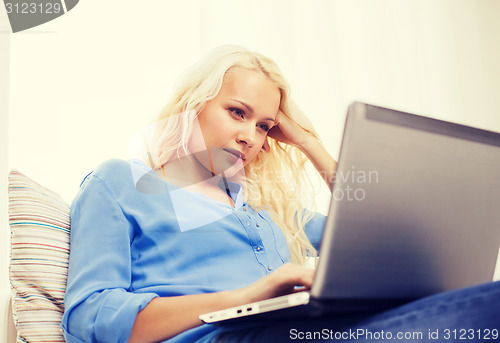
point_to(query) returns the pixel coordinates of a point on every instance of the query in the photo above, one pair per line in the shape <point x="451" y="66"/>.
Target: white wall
<point x="4" y="124"/>
<point x="82" y="84"/>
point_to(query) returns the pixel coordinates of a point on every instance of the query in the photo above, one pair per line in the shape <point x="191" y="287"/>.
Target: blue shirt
<point x="135" y="237"/>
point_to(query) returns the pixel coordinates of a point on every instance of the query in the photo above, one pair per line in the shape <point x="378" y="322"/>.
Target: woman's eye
<point x="264" y="127"/>
<point x="236" y="111"/>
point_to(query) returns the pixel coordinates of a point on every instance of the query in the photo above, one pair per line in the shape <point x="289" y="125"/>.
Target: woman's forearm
<point x="165" y="317"/>
<point x="324" y="163"/>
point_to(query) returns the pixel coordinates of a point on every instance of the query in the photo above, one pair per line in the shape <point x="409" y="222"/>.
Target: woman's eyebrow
<point x="250" y="109"/>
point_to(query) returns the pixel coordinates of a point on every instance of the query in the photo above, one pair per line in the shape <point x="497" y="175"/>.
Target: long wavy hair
<point x="276" y="181"/>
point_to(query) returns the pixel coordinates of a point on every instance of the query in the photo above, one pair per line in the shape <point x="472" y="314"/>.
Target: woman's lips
<point x="236" y="153"/>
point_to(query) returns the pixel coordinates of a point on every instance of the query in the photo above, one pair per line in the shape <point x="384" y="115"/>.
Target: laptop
<point x="414" y="211"/>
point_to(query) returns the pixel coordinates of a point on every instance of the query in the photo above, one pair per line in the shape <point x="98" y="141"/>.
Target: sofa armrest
<point x="7" y="328"/>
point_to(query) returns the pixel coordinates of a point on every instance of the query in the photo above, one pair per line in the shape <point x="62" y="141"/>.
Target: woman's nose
<point x="247" y="135"/>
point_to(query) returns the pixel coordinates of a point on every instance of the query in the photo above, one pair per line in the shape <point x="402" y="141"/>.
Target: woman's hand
<point x="300" y="134"/>
<point x="181" y="312"/>
<point x="283" y="280"/>
<point x="297" y="133"/>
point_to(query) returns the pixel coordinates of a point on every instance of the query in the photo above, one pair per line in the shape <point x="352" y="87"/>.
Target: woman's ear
<point x="266" y="146"/>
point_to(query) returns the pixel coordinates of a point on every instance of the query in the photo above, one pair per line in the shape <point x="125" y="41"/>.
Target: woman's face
<point x="235" y="123"/>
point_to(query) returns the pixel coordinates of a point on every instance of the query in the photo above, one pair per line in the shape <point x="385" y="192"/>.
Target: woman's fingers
<point x="283" y="280"/>
<point x="300" y="275"/>
<point x="288" y="131"/>
<point x="276" y="132"/>
<point x="266" y="146"/>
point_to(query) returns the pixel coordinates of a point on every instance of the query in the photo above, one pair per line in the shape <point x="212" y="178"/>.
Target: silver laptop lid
<point x="415" y="208"/>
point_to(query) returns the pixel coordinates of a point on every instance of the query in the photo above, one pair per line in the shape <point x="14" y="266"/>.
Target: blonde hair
<point x="276" y="181"/>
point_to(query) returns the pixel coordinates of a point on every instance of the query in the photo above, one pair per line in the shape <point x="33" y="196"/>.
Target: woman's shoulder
<point x="121" y="180"/>
<point x="118" y="173"/>
<point x="111" y="169"/>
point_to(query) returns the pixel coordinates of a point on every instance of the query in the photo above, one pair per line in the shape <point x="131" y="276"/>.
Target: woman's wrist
<point x="324" y="163"/>
<point x="237" y="296"/>
<point x="309" y="144"/>
<point x="241" y="295"/>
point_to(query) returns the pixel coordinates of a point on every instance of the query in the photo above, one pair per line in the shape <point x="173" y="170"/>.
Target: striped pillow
<point x="39" y="224"/>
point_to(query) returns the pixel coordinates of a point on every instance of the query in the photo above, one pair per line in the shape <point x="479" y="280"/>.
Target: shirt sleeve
<point x="314" y="229"/>
<point x="99" y="306"/>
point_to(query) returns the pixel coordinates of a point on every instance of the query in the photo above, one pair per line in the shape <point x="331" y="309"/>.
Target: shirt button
<point x="248" y="223"/>
<point x="244" y="208"/>
<point x="258" y="225"/>
<point x="269" y="268"/>
<point x="258" y="249"/>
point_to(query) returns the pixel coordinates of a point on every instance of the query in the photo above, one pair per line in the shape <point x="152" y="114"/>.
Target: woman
<point x="214" y="217"/>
